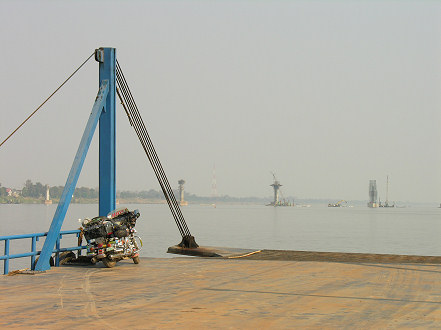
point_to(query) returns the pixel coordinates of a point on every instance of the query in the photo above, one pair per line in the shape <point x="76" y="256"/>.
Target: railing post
<point x="33" y="248"/>
<point x="6" y="264"/>
<point x="57" y="254"/>
<point x="79" y="251"/>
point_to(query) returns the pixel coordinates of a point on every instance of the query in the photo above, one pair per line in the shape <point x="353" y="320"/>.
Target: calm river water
<point x="317" y="228"/>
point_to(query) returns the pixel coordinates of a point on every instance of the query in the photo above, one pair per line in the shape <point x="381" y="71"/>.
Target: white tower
<point x="47" y="201"/>
<point x="182" y="202"/>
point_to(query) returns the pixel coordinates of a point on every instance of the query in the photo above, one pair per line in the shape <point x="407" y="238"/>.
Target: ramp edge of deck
<point x="289" y="255"/>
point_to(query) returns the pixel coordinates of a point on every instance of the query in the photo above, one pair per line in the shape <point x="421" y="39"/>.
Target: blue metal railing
<point x="34" y="238"/>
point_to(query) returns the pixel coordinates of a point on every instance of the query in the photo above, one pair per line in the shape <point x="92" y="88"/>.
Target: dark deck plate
<point x="286" y="255"/>
<point x="212" y="251"/>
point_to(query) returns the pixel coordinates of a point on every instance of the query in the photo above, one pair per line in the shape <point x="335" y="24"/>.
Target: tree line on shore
<point x="37" y="190"/>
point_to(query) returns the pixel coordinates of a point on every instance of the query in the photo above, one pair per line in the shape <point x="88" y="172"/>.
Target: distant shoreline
<point x="227" y="200"/>
<point x="28" y="200"/>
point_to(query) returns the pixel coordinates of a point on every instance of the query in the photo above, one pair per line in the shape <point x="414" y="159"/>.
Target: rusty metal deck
<point x="224" y="293"/>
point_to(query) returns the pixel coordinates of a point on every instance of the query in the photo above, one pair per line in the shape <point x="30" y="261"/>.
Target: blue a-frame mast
<point x="107" y="58"/>
<point x="103" y="111"/>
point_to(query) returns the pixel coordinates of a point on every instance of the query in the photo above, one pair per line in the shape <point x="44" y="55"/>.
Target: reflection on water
<point x="397" y="231"/>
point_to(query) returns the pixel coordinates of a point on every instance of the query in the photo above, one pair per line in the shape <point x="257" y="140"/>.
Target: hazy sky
<point x="327" y="94"/>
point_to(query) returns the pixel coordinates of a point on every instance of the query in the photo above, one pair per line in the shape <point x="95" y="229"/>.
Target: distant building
<point x="48" y="200"/>
<point x="373" y="195"/>
<point x="182" y="202"/>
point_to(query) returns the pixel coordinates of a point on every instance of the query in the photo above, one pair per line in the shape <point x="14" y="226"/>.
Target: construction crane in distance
<point x="276" y="186"/>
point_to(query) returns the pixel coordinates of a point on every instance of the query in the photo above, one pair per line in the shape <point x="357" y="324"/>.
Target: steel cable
<point x="168" y="193"/>
<point x="46" y="99"/>
<point x="152" y="162"/>
<point x="146" y="148"/>
<point x="141" y="131"/>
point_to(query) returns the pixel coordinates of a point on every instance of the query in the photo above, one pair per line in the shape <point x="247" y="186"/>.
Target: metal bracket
<point x="99" y="55"/>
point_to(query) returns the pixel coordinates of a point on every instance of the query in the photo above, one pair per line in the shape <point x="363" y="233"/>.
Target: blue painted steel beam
<point x="6" y="266"/>
<point x="6" y="258"/>
<point x="107" y="152"/>
<point x="34" y="238"/>
<point x="33" y="250"/>
<point x="38" y="235"/>
<point x="69" y="188"/>
<point x="36" y="253"/>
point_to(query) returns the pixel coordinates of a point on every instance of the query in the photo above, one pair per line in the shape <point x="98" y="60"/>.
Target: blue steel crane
<point x="103" y="111"/>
